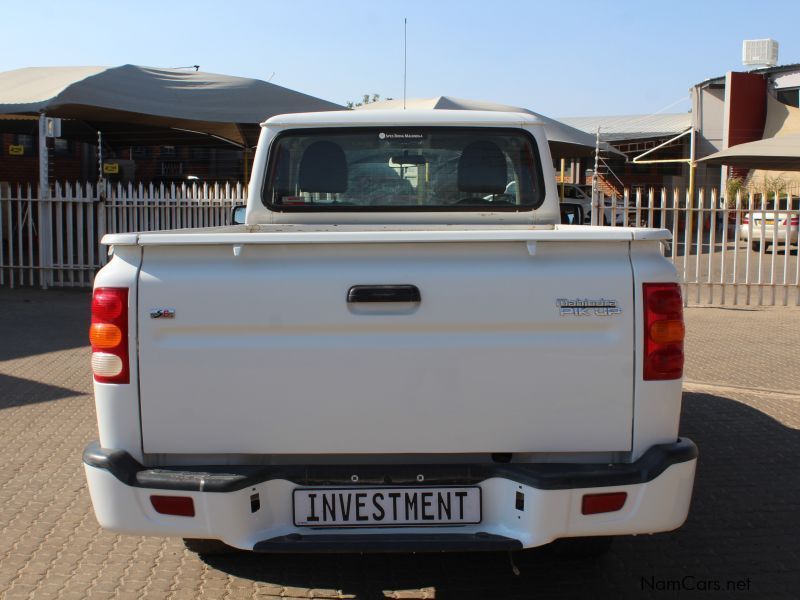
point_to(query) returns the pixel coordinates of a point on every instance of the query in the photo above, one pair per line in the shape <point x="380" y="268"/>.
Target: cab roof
<point x="394" y="117"/>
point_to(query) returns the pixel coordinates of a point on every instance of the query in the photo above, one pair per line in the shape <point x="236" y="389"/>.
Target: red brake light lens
<point x="108" y="335"/>
<point x="106" y="304"/>
<point x="663" y="331"/>
<point x="664" y="301"/>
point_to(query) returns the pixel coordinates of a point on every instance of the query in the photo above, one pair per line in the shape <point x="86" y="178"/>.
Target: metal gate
<point x="740" y="252"/>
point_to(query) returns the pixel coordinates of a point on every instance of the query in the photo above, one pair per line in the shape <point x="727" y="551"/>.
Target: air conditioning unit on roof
<point x="760" y="53"/>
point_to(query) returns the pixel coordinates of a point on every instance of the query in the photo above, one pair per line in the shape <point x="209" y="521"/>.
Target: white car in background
<point x="768" y="228"/>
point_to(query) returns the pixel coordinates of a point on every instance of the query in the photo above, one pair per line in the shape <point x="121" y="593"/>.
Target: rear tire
<point x="756" y="246"/>
<point x="209" y="547"/>
<point x="581" y="547"/>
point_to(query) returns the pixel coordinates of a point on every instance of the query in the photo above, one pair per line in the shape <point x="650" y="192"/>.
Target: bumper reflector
<point x="181" y="506"/>
<point x="603" y="503"/>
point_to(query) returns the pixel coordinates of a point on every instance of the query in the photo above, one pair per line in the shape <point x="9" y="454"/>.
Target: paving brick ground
<point x="742" y="407"/>
<point x="746" y="347"/>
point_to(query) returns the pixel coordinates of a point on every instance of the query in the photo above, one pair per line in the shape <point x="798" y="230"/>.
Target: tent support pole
<point x="99" y="156"/>
<point x="45" y="212"/>
<point x="687" y="243"/>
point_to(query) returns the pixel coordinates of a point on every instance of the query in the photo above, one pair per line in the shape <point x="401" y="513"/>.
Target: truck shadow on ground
<point x="741" y="532"/>
<point x="35" y="321"/>
<point x="16" y="391"/>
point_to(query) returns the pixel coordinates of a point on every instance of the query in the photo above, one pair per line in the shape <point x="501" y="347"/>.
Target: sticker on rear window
<point x="400" y="136"/>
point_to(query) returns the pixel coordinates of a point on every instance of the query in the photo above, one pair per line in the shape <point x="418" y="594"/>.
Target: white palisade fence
<point x="713" y="246"/>
<point x="55" y="241"/>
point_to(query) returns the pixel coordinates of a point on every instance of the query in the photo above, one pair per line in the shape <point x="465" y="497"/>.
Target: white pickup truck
<point x="391" y="354"/>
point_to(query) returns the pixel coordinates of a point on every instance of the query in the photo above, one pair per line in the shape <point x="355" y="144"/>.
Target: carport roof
<point x="720" y="79"/>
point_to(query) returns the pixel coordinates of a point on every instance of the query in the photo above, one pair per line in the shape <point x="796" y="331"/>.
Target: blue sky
<point x="570" y="58"/>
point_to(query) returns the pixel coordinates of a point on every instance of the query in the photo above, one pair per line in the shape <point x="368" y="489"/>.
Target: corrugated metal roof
<point x="764" y="71"/>
<point x="633" y="127"/>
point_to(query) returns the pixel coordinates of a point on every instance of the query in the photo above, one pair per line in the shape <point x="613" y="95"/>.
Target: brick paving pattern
<point x="741" y="405"/>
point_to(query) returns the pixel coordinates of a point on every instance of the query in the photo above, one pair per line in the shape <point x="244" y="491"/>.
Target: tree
<point x="366" y="99"/>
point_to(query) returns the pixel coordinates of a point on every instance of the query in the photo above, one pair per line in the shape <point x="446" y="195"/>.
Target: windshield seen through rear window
<point x="404" y="169"/>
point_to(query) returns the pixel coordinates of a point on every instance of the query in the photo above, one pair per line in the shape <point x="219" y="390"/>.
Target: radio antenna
<point x="405" y="59"/>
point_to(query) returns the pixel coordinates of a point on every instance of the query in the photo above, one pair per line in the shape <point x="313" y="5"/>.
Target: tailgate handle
<point x="383" y="293"/>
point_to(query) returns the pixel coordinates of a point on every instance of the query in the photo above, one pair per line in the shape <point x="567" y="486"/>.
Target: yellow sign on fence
<point x="14" y="150"/>
<point x="110" y="168"/>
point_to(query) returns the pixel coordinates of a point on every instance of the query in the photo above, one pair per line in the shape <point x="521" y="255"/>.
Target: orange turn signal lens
<point x="669" y="331"/>
<point x="104" y="335"/>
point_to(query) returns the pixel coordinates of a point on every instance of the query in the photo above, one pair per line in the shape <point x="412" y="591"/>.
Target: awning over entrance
<point x="775" y="154"/>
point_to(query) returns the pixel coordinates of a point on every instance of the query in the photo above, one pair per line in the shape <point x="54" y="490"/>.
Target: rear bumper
<point x="659" y="487"/>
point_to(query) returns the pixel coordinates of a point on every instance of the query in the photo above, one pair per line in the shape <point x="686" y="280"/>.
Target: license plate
<point x="769" y="221"/>
<point x="386" y="507"/>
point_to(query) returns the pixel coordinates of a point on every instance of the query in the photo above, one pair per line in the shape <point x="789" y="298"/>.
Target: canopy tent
<point x="565" y="141"/>
<point x="137" y="104"/>
<point x="780" y="153"/>
<point x="781" y="120"/>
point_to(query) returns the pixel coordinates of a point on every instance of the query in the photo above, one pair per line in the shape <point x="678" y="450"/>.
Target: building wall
<point x="734" y="110"/>
<point x="727" y="113"/>
<point x="787" y="88"/>
<point x="746" y="108"/>
<point x="708" y="116"/>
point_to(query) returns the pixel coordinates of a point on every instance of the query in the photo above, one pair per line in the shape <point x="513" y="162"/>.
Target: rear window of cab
<point x="404" y="169"/>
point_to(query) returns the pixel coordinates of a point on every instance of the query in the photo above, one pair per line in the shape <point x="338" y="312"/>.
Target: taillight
<point x="108" y="335"/>
<point x="663" y="331"/>
<point x="794" y="221"/>
<point x="745" y="220"/>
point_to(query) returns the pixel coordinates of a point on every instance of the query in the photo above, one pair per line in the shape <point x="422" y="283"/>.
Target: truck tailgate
<point x="265" y="355"/>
